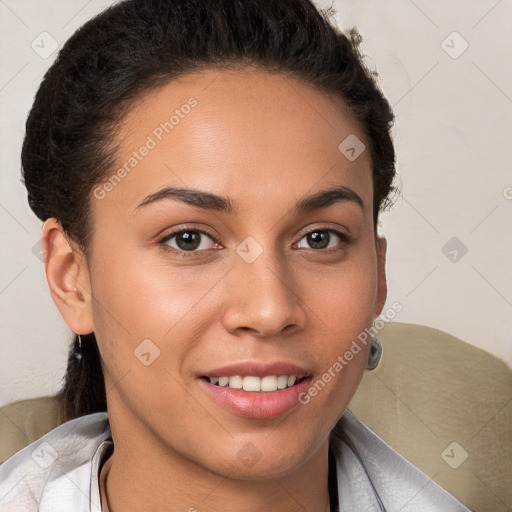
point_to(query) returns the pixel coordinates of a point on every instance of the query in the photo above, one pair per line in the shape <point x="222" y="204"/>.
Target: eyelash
<point x="345" y="240"/>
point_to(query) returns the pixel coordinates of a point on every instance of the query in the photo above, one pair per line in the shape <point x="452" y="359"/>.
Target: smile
<point x="253" y="383"/>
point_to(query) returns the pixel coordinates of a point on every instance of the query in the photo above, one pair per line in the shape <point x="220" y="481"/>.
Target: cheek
<point x="344" y="298"/>
<point x="137" y="298"/>
<point x="141" y="297"/>
<point x="145" y="324"/>
<point x="344" y="311"/>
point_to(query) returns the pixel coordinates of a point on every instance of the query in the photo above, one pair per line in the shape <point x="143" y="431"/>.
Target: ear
<point x="68" y="278"/>
<point x="381" y="245"/>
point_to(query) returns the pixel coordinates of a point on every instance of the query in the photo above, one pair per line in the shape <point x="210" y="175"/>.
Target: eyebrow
<point x="209" y="201"/>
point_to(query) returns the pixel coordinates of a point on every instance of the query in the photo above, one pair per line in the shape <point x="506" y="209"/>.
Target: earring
<point x="375" y="354"/>
<point x="78" y="355"/>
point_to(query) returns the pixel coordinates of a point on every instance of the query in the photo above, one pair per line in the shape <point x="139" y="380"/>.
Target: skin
<point x="265" y="141"/>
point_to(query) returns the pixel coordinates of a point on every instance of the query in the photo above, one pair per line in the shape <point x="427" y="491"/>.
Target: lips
<point x="255" y="389"/>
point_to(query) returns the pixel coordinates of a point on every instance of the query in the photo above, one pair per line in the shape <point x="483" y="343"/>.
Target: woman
<point x="210" y="175"/>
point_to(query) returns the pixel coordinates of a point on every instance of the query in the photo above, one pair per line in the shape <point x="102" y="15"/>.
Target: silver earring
<point x="374" y="355"/>
<point x="79" y="354"/>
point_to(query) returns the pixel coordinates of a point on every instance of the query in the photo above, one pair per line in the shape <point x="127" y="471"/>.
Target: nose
<point x="263" y="298"/>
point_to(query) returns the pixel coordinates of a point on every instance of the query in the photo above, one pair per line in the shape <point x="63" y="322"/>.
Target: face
<point x="244" y="279"/>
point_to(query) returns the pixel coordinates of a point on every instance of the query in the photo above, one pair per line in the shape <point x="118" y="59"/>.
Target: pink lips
<point x="257" y="404"/>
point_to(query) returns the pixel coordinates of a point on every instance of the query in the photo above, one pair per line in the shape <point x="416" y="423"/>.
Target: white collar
<point x="101" y="454"/>
<point x="373" y="477"/>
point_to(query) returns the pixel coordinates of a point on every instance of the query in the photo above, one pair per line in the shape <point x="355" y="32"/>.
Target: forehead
<point x="244" y="133"/>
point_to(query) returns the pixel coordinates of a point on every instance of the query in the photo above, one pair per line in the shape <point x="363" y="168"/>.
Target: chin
<point x="261" y="459"/>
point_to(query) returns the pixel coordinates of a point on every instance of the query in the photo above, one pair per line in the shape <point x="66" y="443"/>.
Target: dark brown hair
<point x="137" y="45"/>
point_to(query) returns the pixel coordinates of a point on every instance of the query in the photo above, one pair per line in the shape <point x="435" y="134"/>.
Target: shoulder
<point x="54" y="472"/>
<point x="372" y="474"/>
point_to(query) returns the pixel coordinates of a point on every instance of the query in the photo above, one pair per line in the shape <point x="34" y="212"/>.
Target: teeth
<point x="282" y="381"/>
<point x="269" y="383"/>
<point x="252" y="383"/>
<point x="235" y="382"/>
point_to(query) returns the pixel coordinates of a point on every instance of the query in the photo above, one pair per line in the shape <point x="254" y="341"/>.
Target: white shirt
<point x="59" y="472"/>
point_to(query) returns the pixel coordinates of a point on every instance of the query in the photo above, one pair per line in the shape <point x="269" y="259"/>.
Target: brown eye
<point x="188" y="240"/>
<point x="318" y="239"/>
<point x="323" y="239"/>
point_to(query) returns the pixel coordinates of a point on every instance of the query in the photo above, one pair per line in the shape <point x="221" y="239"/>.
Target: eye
<point x="324" y="239"/>
<point x="188" y="240"/>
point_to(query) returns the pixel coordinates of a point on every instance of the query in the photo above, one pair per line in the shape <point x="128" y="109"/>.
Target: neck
<point x="147" y="476"/>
